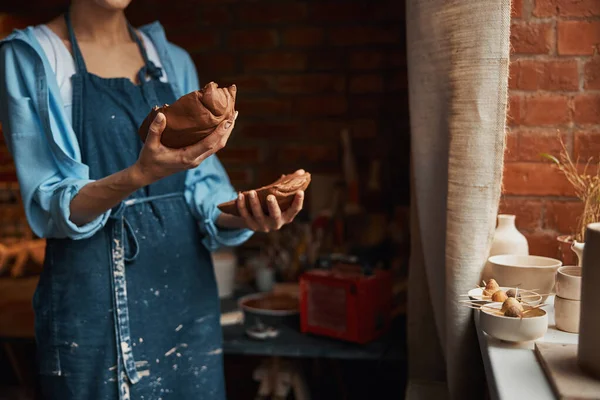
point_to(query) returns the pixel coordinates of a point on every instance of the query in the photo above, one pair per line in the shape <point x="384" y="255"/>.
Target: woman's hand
<point x="256" y="220"/>
<point x="157" y="161"/>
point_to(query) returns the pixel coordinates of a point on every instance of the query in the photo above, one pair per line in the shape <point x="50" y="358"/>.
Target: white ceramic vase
<point x="507" y="240"/>
<point x="588" y="355"/>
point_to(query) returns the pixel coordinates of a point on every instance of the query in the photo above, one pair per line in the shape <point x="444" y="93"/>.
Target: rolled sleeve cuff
<point x="62" y="214"/>
<point x="217" y="237"/>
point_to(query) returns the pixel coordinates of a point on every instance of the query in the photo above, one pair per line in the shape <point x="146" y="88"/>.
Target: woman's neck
<point x="92" y="22"/>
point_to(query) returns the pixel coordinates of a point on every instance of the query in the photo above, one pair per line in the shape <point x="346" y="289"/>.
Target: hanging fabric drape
<point x="458" y="56"/>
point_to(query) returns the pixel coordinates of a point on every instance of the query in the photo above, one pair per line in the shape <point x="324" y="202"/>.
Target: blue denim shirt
<point x="47" y="155"/>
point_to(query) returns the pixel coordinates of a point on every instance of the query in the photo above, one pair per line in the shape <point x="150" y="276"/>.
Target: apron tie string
<point x="131" y="238"/>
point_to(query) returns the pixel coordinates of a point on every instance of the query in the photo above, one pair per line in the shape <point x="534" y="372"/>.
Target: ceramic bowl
<point x="526" y="272"/>
<point x="511" y="329"/>
<point x="566" y="314"/>
<point x="568" y="283"/>
<point x="530" y="297"/>
<point x="269" y="309"/>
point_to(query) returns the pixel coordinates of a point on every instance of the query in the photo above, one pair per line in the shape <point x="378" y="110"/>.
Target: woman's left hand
<point x="255" y="219"/>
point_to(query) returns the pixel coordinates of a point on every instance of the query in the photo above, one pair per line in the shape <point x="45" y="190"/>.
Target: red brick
<point x="527" y="211"/>
<point x="263" y="107"/>
<point x="543" y="243"/>
<point x="214" y="16"/>
<point x="320" y="105"/>
<point x="397" y="59"/>
<point x="517" y="8"/>
<point x="303" y="37"/>
<point x="351" y="11"/>
<point x="514" y="110"/>
<point x="366" y="105"/>
<point x="560" y="75"/>
<point x="238" y="155"/>
<point x="338" y="12"/>
<point x="545" y="109"/>
<point x="326" y="60"/>
<point x="533" y="143"/>
<point x="246" y="83"/>
<point x="397" y="82"/>
<point x="591" y="71"/>
<point x="240" y="178"/>
<point x="513" y="75"/>
<point x="197" y="41"/>
<point x="253" y="39"/>
<point x="271" y="130"/>
<point x="544" y="75"/>
<point x="511" y="150"/>
<point x="587" y="109"/>
<point x="391" y="10"/>
<point x="531" y="37"/>
<point x="181" y="15"/>
<point x="362" y="128"/>
<point x="534" y="179"/>
<point x="313" y="83"/>
<point x="366" y="84"/>
<point x="586" y="145"/>
<point x="563" y="216"/>
<point x="357" y="35"/>
<point x="366" y="59"/>
<point x="214" y="64"/>
<point x="566" y="8"/>
<point x="578" y="37"/>
<point x="269" y="13"/>
<point x="308" y="153"/>
<point x="276" y="61"/>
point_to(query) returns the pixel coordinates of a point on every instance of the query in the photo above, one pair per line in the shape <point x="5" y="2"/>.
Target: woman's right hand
<point x="157" y="161"/>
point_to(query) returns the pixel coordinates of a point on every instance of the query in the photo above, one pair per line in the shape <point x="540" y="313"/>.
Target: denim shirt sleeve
<point x="208" y="185"/>
<point x="47" y="185"/>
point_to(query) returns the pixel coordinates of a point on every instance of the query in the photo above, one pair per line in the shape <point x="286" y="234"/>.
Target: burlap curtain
<point x="458" y="56"/>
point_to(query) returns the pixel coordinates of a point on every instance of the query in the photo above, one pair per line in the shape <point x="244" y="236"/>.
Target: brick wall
<point x="304" y="70"/>
<point x="554" y="87"/>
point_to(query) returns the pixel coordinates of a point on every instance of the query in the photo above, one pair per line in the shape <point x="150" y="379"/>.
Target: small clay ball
<point x="513" y="293"/>
<point x="513" y="311"/>
<point x="511" y="302"/>
<point x="499" y="296"/>
<point x="492" y="285"/>
<point x="488" y="293"/>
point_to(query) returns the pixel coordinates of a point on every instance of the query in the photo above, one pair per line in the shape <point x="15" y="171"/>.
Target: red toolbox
<point x="346" y="303"/>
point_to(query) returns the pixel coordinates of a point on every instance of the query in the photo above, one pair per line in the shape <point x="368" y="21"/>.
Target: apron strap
<point x="151" y="69"/>
<point x="79" y="61"/>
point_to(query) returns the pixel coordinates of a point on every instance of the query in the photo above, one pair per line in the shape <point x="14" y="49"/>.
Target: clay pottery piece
<point x="507" y="240"/>
<point x="194" y="116"/>
<point x="526" y="272"/>
<point x="284" y="189"/>
<point x="568" y="283"/>
<point x="588" y="354"/>
<point x="565" y="251"/>
<point x="566" y="314"/>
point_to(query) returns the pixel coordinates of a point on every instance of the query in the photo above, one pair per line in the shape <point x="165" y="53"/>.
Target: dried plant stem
<point x="586" y="186"/>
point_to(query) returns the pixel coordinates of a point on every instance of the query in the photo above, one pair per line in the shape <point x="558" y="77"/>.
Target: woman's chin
<point x="113" y="4"/>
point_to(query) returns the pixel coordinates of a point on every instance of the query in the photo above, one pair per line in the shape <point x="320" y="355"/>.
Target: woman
<point x="127" y="305"/>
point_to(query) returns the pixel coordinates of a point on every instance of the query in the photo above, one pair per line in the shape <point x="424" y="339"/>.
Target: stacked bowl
<point x="567" y="303"/>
